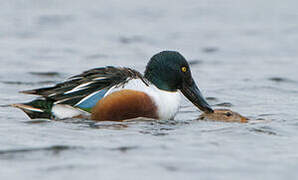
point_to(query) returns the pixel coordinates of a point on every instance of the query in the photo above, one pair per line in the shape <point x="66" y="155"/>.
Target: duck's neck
<point x="157" y="80"/>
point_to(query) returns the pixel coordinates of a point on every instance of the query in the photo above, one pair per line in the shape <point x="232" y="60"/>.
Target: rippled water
<point x="243" y="55"/>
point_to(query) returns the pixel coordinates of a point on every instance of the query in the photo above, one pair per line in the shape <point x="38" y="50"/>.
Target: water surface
<point x="243" y="56"/>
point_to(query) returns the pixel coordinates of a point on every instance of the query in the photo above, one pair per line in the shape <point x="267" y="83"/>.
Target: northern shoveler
<point x="110" y="93"/>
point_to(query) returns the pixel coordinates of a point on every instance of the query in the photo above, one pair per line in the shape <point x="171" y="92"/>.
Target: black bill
<point x="192" y="93"/>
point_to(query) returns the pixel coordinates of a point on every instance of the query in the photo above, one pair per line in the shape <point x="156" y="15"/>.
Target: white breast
<point x="166" y="102"/>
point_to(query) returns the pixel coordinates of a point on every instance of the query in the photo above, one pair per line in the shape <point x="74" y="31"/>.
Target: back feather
<point x="81" y="86"/>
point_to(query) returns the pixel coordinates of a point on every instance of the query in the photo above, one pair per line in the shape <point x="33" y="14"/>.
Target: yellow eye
<point x="183" y="69"/>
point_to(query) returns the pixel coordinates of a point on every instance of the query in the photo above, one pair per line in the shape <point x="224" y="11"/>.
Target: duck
<point x="224" y="115"/>
<point x="119" y="93"/>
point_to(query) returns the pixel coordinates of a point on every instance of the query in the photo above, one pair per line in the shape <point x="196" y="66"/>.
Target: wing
<point x="84" y="90"/>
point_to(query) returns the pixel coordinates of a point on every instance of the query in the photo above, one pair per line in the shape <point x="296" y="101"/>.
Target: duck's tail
<point x="39" y="108"/>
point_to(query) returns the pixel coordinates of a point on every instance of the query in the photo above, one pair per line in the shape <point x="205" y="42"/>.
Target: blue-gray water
<point x="242" y="52"/>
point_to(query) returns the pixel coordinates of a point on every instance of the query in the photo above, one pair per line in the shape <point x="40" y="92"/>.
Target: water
<point x="243" y="55"/>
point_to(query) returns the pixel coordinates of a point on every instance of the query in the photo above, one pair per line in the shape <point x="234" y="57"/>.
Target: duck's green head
<point x="169" y="71"/>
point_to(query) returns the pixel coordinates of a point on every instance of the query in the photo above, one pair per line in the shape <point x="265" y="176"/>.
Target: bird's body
<point x="167" y="103"/>
<point x="112" y="93"/>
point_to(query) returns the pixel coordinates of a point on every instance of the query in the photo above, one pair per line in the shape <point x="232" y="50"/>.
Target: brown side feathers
<point x="124" y="104"/>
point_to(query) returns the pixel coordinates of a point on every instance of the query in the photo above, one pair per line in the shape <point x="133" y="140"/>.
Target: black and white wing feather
<point x="80" y="86"/>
